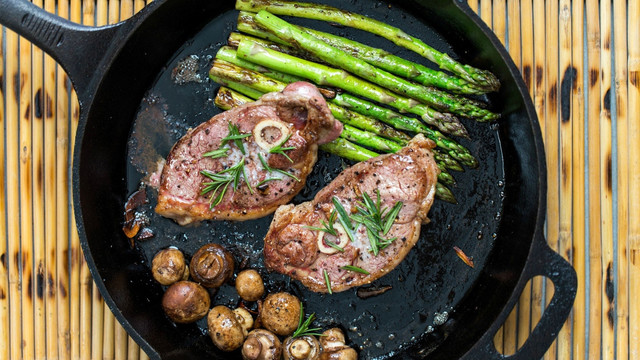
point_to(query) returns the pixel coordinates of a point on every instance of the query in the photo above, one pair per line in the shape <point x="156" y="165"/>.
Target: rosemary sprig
<point x="391" y="217"/>
<point x="270" y="170"/>
<point x="303" y="327"/>
<point x="236" y="137"/>
<point x="327" y="281"/>
<point x="278" y="149"/>
<point x="215" y="154"/>
<point x="355" y="269"/>
<point x="220" y="182"/>
<point x="343" y="218"/>
<point x="326" y="226"/>
<point x="377" y="220"/>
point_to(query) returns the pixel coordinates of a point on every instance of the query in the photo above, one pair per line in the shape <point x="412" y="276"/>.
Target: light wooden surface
<point x="581" y="63"/>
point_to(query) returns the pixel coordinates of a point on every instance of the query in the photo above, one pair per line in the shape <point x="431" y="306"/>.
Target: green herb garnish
<point x="355" y="269"/>
<point x="376" y="220"/>
<point x="278" y="149"/>
<point x="343" y="218"/>
<point x="303" y="327"/>
<point x="220" y="181"/>
<point x="217" y="153"/>
<point x="327" y="281"/>
<point x="236" y="137"/>
<point x="327" y="226"/>
<point x="270" y="170"/>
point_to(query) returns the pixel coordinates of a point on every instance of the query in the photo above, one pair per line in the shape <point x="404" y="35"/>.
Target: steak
<point x="210" y="175"/>
<point x="295" y="245"/>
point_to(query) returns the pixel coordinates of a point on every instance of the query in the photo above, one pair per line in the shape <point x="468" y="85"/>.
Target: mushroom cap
<point x="212" y="265"/>
<point x="333" y="346"/>
<point x="261" y="345"/>
<point x="186" y="302"/>
<point x="344" y="353"/>
<point x="301" y="348"/>
<point x="225" y="330"/>
<point x="249" y="285"/>
<point x="332" y="338"/>
<point x="280" y="313"/>
<point x="168" y="266"/>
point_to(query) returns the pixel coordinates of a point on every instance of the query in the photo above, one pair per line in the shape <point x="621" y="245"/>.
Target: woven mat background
<point x="581" y="62"/>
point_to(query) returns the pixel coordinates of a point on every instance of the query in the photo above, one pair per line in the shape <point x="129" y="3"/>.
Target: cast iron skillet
<point x="438" y="308"/>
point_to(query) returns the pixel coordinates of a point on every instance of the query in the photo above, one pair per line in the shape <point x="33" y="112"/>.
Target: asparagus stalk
<point x="227" y="99"/>
<point x="369" y="139"/>
<point x="254" y="84"/>
<point x="399" y="121"/>
<point x="341" y="59"/>
<point x="347" y="150"/>
<point x="447" y="161"/>
<point x="374" y="56"/>
<point x="324" y="75"/>
<point x="227" y="53"/>
<point x="482" y="78"/>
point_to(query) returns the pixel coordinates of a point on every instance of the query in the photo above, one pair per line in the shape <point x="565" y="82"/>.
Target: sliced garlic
<point x="263" y="140"/>
<point x="341" y="241"/>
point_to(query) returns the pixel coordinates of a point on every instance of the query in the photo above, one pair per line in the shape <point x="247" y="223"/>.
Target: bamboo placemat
<point x="581" y="63"/>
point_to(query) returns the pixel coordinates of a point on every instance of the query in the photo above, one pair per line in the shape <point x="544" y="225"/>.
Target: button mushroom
<point x="212" y="265"/>
<point x="244" y="318"/>
<point x="169" y="266"/>
<point x="334" y="347"/>
<point x="301" y="348"/>
<point x="261" y="345"/>
<point x="185" y="302"/>
<point x="226" y="328"/>
<point x="249" y="285"/>
<point x="280" y="313"/>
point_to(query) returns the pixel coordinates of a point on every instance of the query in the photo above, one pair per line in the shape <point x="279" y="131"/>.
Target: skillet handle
<point x="551" y="265"/>
<point x="79" y="49"/>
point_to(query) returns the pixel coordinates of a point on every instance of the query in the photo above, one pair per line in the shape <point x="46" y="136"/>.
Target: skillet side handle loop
<point x="79" y="49"/>
<point x="554" y="267"/>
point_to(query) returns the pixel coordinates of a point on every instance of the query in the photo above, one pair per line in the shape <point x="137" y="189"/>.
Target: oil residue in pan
<point x="425" y="287"/>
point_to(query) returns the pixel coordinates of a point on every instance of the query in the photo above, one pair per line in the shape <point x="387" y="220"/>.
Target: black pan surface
<point x="438" y="308"/>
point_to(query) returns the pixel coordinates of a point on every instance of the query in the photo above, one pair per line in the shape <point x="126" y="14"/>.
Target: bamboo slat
<point x="578" y="179"/>
<point x="13" y="223"/>
<point x="108" y="339"/>
<point x="622" y="121"/>
<point x="593" y="134"/>
<point x="133" y="352"/>
<point x="52" y="202"/>
<point x="567" y="74"/>
<point x="37" y="171"/>
<point x="4" y="274"/>
<point x="26" y="201"/>
<point x="121" y="340"/>
<point x="606" y="183"/>
<point x="634" y="178"/>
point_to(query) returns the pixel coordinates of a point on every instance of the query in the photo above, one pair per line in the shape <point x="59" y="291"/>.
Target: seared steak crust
<point x="301" y="109"/>
<point x="292" y="248"/>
